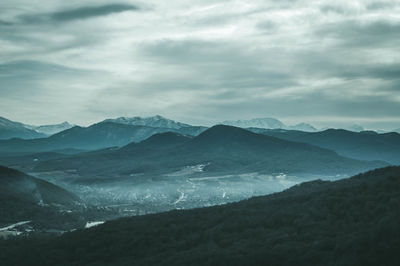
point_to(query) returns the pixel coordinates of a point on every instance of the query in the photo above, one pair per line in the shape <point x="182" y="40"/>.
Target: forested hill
<point x="355" y="221"/>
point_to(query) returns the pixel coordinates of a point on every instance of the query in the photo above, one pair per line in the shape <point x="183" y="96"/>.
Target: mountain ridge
<point x="365" y="145"/>
<point x="221" y="148"/>
<point x="10" y="129"/>
<point x="151" y="121"/>
<point x="269" y="123"/>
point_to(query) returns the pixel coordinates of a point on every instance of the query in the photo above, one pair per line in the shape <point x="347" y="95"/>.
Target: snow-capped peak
<point x="270" y="123"/>
<point x="152" y="121"/>
<point x="303" y="127"/>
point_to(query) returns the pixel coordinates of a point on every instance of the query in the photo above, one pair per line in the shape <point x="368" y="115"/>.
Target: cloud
<point x="5" y="23"/>
<point x="45" y="89"/>
<point x="203" y="61"/>
<point x="379" y="5"/>
<point x="358" y="34"/>
<point x="88" y="12"/>
<point x="80" y="13"/>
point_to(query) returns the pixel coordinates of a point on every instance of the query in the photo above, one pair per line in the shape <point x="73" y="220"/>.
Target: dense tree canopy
<point x="354" y="221"/>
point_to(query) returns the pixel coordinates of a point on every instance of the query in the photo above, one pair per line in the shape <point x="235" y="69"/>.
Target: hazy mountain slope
<point x="25" y="162"/>
<point x="366" y="145"/>
<point x="53" y="129"/>
<point x="10" y="129"/>
<point x="269" y="123"/>
<point x="192" y="130"/>
<point x="26" y="198"/>
<point x="19" y="185"/>
<point x="97" y="136"/>
<point x="303" y="127"/>
<point x="355" y="128"/>
<point x="349" y="222"/>
<point x="223" y="149"/>
<point x="256" y="122"/>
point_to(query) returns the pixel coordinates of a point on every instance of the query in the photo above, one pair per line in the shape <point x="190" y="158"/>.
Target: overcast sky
<point x="323" y="62"/>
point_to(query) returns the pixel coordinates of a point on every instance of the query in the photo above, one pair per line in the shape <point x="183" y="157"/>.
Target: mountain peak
<point x="219" y="134"/>
<point x="266" y="122"/>
<point x="355" y="128"/>
<point x="6" y="123"/>
<point x="10" y="129"/>
<point x="152" y="121"/>
<point x="53" y="129"/>
<point x="164" y="139"/>
<point x="303" y="127"/>
<point x="269" y="123"/>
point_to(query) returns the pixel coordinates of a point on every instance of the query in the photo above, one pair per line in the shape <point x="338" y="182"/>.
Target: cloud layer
<point x="201" y="62"/>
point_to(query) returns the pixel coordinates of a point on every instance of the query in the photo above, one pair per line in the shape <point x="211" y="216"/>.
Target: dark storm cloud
<point x="5" y="23"/>
<point x="357" y="34"/>
<point x="88" y="12"/>
<point x="379" y="5"/>
<point x="84" y="12"/>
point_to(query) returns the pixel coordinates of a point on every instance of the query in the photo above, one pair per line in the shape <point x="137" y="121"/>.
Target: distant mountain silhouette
<point x="224" y="149"/>
<point x="353" y="221"/>
<point x="10" y="129"/>
<point x="269" y="123"/>
<point x="355" y="128"/>
<point x="256" y="122"/>
<point x="97" y="136"/>
<point x="365" y="145"/>
<point x="303" y="127"/>
<point x="52" y="129"/>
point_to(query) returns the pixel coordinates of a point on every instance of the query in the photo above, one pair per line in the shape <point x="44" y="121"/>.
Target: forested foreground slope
<point x="355" y="221"/>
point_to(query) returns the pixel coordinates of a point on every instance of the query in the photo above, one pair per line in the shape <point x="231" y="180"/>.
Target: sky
<point x="328" y="63"/>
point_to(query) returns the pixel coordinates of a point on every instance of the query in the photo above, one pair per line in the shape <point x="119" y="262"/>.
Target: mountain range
<point x="97" y="136"/>
<point x="269" y="123"/>
<point x="348" y="222"/>
<point x="153" y="121"/>
<point x="220" y="149"/>
<point x="10" y="129"/>
<point x="365" y="145"/>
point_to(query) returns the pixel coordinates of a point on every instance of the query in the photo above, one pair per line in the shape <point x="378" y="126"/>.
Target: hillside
<point x="365" y="145"/>
<point x="10" y="129"/>
<point x="26" y="198"/>
<point x="353" y="221"/>
<point x="223" y="149"/>
<point x="15" y="184"/>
